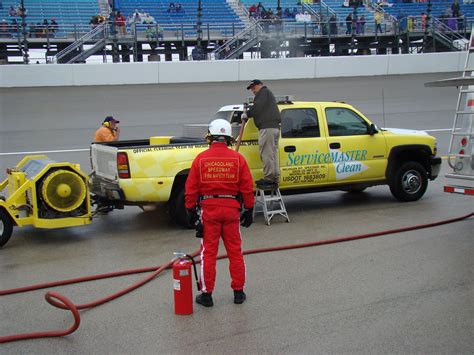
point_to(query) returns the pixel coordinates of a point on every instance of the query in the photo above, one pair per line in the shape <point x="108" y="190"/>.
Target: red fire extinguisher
<point x="182" y="283"/>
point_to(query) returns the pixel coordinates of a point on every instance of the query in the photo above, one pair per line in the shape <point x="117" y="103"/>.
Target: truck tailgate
<point x="104" y="161"/>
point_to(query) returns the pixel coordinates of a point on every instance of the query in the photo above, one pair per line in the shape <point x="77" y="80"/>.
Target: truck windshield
<point x="225" y="115"/>
<point x="230" y="116"/>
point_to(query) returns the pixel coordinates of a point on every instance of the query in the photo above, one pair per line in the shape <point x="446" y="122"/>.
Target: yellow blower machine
<point x="44" y="193"/>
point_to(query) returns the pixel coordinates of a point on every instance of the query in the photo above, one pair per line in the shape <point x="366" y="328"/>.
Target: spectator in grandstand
<point x="452" y="23"/>
<point x="12" y="11"/>
<point x="332" y="24"/>
<point x="198" y="53"/>
<point x="38" y="30"/>
<point x="171" y="7"/>
<point x="423" y="20"/>
<point x="460" y="21"/>
<point x="360" y="28"/>
<point x="45" y="28"/>
<point x="4" y="29"/>
<point x="53" y="27"/>
<point x="109" y="131"/>
<point x="179" y="8"/>
<point x="252" y="10"/>
<point x="455" y="8"/>
<point x="101" y="18"/>
<point x="260" y="9"/>
<point x="378" y="22"/>
<point x="154" y="33"/>
<point x="277" y="21"/>
<point x="93" y="22"/>
<point x="410" y="24"/>
<point x="133" y="20"/>
<point x="1" y="5"/>
<point x="21" y="11"/>
<point x="402" y="22"/>
<point x="147" y="18"/>
<point x="120" y="23"/>
<point x="14" y="28"/>
<point x="32" y="30"/>
<point x="150" y="33"/>
<point x="349" y="24"/>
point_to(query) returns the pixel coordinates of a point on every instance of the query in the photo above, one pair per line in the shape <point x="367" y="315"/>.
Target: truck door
<point x="302" y="150"/>
<point x="355" y="154"/>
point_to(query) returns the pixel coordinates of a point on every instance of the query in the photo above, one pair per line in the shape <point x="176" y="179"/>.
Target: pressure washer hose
<point x="63" y="302"/>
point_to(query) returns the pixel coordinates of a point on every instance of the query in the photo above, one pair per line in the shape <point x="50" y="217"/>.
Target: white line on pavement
<point x="46" y="151"/>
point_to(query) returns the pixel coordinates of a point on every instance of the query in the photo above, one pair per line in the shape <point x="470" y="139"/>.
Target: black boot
<point x="239" y="297"/>
<point x="205" y="299"/>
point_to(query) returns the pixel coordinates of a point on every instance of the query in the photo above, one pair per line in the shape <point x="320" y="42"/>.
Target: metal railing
<point x="451" y="37"/>
<point x="92" y="37"/>
<point x="231" y="47"/>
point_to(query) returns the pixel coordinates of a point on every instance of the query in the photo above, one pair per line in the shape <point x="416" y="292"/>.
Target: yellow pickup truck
<point x="323" y="146"/>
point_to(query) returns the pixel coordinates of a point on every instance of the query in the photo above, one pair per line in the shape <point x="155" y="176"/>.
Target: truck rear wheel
<point x="6" y="228"/>
<point x="409" y="182"/>
<point x="177" y="209"/>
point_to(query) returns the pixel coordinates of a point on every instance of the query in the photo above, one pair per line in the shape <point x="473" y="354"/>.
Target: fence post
<point x="135" y="43"/>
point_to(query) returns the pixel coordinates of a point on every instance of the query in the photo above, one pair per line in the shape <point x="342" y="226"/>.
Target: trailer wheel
<point x="409" y="182"/>
<point x="177" y="210"/>
<point x="6" y="228"/>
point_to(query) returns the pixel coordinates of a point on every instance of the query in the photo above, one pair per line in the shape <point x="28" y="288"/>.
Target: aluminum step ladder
<point x="461" y="145"/>
<point x="270" y="203"/>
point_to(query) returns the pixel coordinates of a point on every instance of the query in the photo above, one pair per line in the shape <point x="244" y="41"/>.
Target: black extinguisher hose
<point x="198" y="283"/>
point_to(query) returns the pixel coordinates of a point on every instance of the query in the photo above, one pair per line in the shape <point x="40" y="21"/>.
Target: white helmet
<point x="220" y="127"/>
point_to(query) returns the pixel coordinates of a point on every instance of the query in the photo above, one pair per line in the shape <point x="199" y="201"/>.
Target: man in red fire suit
<point x="219" y="181"/>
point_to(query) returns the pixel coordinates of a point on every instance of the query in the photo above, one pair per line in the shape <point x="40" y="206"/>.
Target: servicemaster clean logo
<point x="346" y="163"/>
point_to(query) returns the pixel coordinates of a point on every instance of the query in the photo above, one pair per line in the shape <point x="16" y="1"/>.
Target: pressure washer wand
<point x="242" y="127"/>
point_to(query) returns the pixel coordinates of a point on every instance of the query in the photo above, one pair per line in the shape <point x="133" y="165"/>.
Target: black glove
<point x="192" y="216"/>
<point x="246" y="219"/>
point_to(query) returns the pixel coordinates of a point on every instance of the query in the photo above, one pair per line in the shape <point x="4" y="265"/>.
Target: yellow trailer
<point x="45" y="194"/>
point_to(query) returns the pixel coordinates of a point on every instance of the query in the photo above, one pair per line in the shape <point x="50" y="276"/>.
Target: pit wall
<point x="227" y="70"/>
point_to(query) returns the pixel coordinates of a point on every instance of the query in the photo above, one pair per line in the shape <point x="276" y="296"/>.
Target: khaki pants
<point x="268" y="144"/>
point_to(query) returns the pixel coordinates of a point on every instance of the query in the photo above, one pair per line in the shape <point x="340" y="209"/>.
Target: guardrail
<point x="231" y="29"/>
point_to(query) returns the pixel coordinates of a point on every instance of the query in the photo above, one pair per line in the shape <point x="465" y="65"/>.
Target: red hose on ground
<point x="65" y="303"/>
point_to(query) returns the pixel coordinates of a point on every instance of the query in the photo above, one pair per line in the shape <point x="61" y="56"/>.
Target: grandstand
<point x="438" y="8"/>
<point x="216" y="13"/>
<point x="68" y="13"/>
<point x="220" y="21"/>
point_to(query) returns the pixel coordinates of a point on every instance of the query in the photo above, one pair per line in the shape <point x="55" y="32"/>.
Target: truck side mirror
<point x="372" y="129"/>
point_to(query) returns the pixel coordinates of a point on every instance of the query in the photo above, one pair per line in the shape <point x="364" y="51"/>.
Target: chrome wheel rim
<point x="411" y="182"/>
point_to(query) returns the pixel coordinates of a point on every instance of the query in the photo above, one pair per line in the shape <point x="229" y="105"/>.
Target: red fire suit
<point x="220" y="171"/>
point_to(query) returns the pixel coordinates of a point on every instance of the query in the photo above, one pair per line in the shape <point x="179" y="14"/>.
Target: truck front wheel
<point x="6" y="228"/>
<point x="177" y="210"/>
<point x="409" y="182"/>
